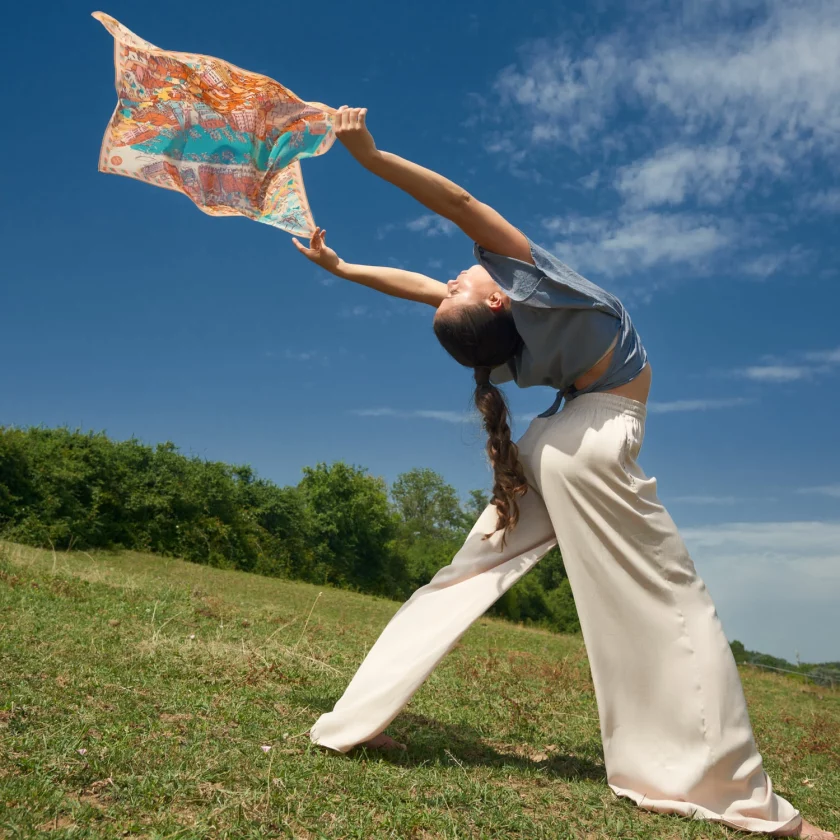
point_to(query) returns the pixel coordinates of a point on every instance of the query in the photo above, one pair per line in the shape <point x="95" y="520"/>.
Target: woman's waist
<point x="629" y="376"/>
<point x="637" y="388"/>
<point x="594" y="373"/>
<point x="624" y="362"/>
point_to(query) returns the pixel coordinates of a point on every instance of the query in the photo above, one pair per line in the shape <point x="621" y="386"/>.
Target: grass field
<point x="138" y="695"/>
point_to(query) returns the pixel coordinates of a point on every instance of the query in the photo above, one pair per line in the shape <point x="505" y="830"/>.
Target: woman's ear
<point x="498" y="301"/>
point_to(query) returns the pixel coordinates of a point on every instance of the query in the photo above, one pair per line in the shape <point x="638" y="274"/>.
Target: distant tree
<point x="550" y="571"/>
<point x="563" y="615"/>
<point x="739" y="651"/>
<point x="353" y="528"/>
<point x="71" y="489"/>
<point x="477" y="501"/>
<point x="427" y="505"/>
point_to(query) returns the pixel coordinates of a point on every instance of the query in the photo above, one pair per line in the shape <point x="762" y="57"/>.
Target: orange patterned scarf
<point x="229" y="139"/>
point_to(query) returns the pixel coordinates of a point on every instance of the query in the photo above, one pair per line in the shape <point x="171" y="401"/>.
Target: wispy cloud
<point x="767" y="91"/>
<point x="445" y="416"/>
<point x="689" y="108"/>
<point x="814" y="546"/>
<point x="432" y="225"/>
<point x="776" y="585"/>
<point x="826" y="357"/>
<point x="362" y="311"/>
<point x="312" y="356"/>
<point x="696" y="405"/>
<point x="776" y="373"/>
<point x="832" y="490"/>
<point x="765" y="265"/>
<point x="822" y="201"/>
<point x="706" y="500"/>
<point x="565" y="97"/>
<point x="632" y="242"/>
<point x="471" y="417"/>
<point x="429" y="224"/>
<point x="590" y="181"/>
<point x="672" y="174"/>
<point x="802" y="366"/>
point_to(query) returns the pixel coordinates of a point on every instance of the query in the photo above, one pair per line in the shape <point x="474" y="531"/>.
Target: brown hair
<point x="479" y="338"/>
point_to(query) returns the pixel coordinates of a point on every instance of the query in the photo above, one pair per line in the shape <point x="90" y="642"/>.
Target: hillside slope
<point x="148" y="697"/>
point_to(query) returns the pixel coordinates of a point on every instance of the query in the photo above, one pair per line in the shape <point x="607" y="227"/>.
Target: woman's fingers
<point x="349" y="118"/>
<point x="299" y="246"/>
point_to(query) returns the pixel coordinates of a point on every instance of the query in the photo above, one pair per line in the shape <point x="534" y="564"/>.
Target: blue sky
<point x="683" y="155"/>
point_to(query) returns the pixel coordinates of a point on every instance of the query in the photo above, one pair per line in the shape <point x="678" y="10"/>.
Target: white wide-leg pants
<point x="674" y="724"/>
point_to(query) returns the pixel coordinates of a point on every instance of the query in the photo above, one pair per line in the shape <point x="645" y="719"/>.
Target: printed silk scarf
<point x="229" y="139"/>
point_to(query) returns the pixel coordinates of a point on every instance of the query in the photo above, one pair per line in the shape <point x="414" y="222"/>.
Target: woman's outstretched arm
<point x="391" y="281"/>
<point x="477" y="220"/>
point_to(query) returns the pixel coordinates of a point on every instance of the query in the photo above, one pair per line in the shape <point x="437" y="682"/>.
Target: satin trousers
<point x="673" y="718"/>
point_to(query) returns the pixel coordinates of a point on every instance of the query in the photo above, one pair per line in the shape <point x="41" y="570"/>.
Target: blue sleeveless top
<point x="567" y="324"/>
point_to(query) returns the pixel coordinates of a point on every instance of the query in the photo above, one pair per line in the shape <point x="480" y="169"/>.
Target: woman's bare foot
<point x="808" y="830"/>
<point x="383" y="742"/>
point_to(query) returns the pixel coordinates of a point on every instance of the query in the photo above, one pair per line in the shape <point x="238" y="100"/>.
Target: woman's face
<point x="473" y="285"/>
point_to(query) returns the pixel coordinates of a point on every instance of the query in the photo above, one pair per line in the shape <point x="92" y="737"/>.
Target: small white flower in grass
<point x="82" y="751"/>
<point x="265" y="748"/>
<point x="192" y="635"/>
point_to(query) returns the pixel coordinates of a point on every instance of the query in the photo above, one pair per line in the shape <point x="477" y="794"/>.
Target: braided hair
<point x="481" y="339"/>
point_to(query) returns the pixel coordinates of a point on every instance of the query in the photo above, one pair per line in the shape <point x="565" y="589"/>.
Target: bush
<point x="70" y="489"/>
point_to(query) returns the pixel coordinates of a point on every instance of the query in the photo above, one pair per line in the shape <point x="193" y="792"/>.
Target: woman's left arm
<point x="477" y="220"/>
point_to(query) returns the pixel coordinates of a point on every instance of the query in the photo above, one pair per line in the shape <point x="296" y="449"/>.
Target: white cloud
<point x="355" y="311"/>
<point x="306" y="356"/>
<point x="832" y="490"/>
<point x="457" y="417"/>
<point x="764" y="265"/>
<point x="472" y="417"/>
<point x="728" y="98"/>
<point x="590" y="181"/>
<point x="634" y="242"/>
<point x="361" y="311"/>
<point x="695" y="405"/>
<point x="429" y="223"/>
<point x="432" y="225"/>
<point x="673" y="173"/>
<point x="773" y="89"/>
<point x="826" y="201"/>
<point x="445" y="416"/>
<point x="776" y="373"/>
<point x="808" y="366"/>
<point x="706" y="500"/>
<point x="828" y="357"/>
<point x="566" y="97"/>
<point x="775" y="584"/>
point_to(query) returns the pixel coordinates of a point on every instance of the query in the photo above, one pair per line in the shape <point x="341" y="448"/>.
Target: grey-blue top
<point x="567" y="324"/>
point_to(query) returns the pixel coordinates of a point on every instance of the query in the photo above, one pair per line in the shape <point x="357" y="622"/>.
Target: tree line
<point x="338" y="526"/>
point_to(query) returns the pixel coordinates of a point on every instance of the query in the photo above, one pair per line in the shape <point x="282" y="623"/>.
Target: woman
<point x="674" y="724"/>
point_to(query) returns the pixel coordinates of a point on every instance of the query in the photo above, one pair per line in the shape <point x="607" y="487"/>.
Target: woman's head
<point x="474" y="322"/>
<point x="475" y="325"/>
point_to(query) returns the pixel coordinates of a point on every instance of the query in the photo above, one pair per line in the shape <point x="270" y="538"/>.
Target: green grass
<point x="172" y="676"/>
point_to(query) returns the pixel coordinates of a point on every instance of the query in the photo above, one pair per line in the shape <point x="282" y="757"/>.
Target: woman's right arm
<point x="408" y="285"/>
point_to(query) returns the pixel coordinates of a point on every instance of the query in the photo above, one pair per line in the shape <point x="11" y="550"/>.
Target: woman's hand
<point x="318" y="251"/>
<point x="350" y="129"/>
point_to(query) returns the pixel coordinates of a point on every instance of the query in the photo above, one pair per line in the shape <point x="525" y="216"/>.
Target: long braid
<point x="509" y="477"/>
